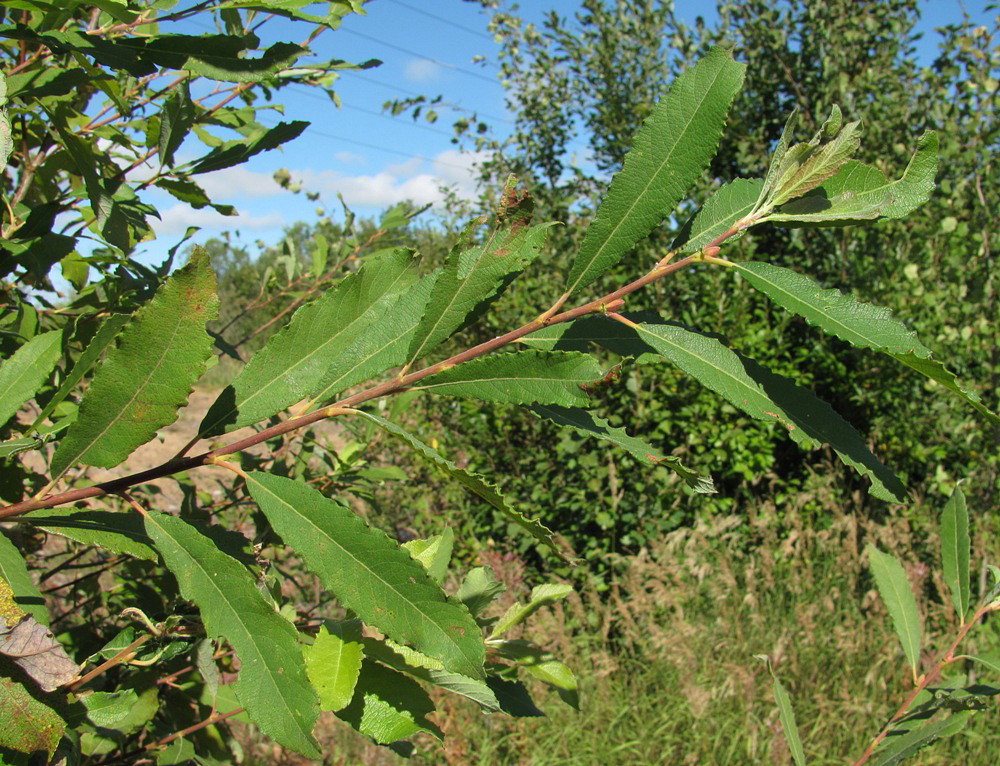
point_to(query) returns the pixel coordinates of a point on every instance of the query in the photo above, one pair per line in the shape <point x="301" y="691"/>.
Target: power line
<point x="408" y="52"/>
<point x="302" y="90"/>
<point x="406" y="92"/>
<point x="449" y="22"/>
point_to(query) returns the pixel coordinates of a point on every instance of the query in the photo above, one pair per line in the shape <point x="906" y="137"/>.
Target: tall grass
<point x="666" y="657"/>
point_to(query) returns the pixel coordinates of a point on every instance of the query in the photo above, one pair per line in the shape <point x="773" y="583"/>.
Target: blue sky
<point x="373" y="160"/>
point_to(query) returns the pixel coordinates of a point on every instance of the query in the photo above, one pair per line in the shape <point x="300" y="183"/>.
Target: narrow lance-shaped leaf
<point x="899" y="602"/>
<point x="769" y="397"/>
<point x="383" y="346"/>
<point x="148" y="376"/>
<point x="472" y="278"/>
<point x="26" y="370"/>
<point x="294" y="361"/>
<point x="523" y="377"/>
<point x="543" y="665"/>
<point x="669" y="152"/>
<point x="729" y="204"/>
<point x="897" y="748"/>
<point x="786" y="715"/>
<point x="589" y="424"/>
<point x="176" y="116"/>
<point x="95" y="347"/>
<point x="955" y="551"/>
<point x="851" y="320"/>
<point x="473" y="482"/>
<point x="114" y="531"/>
<point x="272" y="683"/>
<point x="419" y="666"/>
<point x="823" y="161"/>
<point x="239" y="152"/>
<point x="370" y="574"/>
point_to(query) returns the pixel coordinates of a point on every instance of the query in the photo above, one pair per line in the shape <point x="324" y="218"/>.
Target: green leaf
<point x="478" y="589"/>
<point x="227" y="156"/>
<point x="860" y="324"/>
<point x="115" y="532"/>
<point x="895" y="748"/>
<point x="955" y="551"/>
<point x="384" y="345"/>
<point x="294" y="361"/>
<point x="148" y="376"/>
<point x="272" y="683"/>
<point x="728" y="205"/>
<point x="475" y="483"/>
<point x="542" y="665"/>
<point x="23" y="589"/>
<point x="24" y="372"/>
<point x="264" y="68"/>
<point x="521" y="377"/>
<point x="858" y="191"/>
<point x="333" y="662"/>
<point x="769" y="397"/>
<point x="991" y="661"/>
<point x="589" y="424"/>
<point x="788" y="726"/>
<point x="94" y="348"/>
<point x="6" y="142"/>
<point x="471" y="279"/>
<point x="804" y="170"/>
<point x="541" y="595"/>
<point x="899" y="601"/>
<point x="669" y="152"/>
<point x="433" y="553"/>
<point x="176" y="117"/>
<point x="106" y="709"/>
<point x="369" y="573"/>
<point x="27" y="724"/>
<point x="388" y="706"/>
<point x="419" y="666"/>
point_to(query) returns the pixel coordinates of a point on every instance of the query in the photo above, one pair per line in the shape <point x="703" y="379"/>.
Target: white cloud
<point x="174" y="220"/>
<point x="350" y="158"/>
<point x="238" y="181"/>
<point x="421" y="70"/>
<point x="409" y="180"/>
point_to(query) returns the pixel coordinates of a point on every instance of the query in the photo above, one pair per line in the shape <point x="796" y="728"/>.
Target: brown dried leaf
<point x="31" y="645"/>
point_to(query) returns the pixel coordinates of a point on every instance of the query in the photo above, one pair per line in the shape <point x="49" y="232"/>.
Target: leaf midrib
<point x="637" y="198"/>
<point x="280" y="379"/>
<point x="210" y="579"/>
<point x="180" y="317"/>
<point x="846" y="329"/>
<point x="374" y="574"/>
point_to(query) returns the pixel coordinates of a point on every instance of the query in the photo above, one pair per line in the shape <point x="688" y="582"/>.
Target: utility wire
<point x="443" y="20"/>
<point x="303" y="90"/>
<point x="357" y="76"/>
<point x="346" y="140"/>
